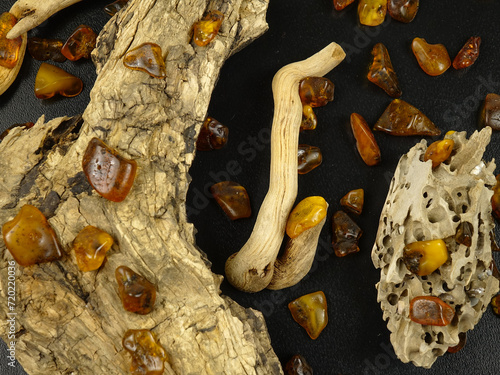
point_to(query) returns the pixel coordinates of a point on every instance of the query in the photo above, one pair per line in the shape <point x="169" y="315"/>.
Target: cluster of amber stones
<point x="147" y="58"/>
<point x="205" y="30"/>
<point x="365" y="141"/>
<point x="373" y="12"/>
<point x="382" y="73"/>
<point x="424" y="257"/>
<point x="490" y="112"/>
<point x="148" y="355"/>
<point x="307" y="214"/>
<point x="213" y="135"/>
<point x="232" y="198"/>
<point x="310" y="311"/>
<point x="309" y="157"/>
<point x="115" y="7"/>
<point x="9" y="48"/>
<point x="297" y="365"/>
<point x="431" y="311"/>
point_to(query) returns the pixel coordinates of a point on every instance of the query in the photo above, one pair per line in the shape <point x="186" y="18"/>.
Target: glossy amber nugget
<point x="298" y="365"/>
<point x="205" y="30"/>
<point x="110" y="174"/>
<point x="309" y="120"/>
<point x="346" y="234"/>
<point x="464" y="233"/>
<point x="424" y="257"/>
<point x="372" y="12"/>
<point x="462" y="336"/>
<point x="213" y="135"/>
<point x="382" y="73"/>
<point x="432" y="58"/>
<point x="353" y="201"/>
<point x="138" y="295"/>
<point x="148" y="356"/>
<point x="495" y="199"/>
<point x="90" y="246"/>
<point x="307" y="214"/>
<point x="115" y="7"/>
<point x="80" y="44"/>
<point x="341" y="4"/>
<point x="439" y="151"/>
<point x="310" y="311"/>
<point x="310" y="157"/>
<point x="316" y="91"/>
<point x="30" y="238"/>
<point x="490" y="112"/>
<point x="468" y="54"/>
<point x="147" y="58"/>
<point x="233" y="199"/>
<point x="431" y="311"/>
<point x="51" y="80"/>
<point x="9" y="48"/>
<point x="403" y="10"/>
<point x="46" y="49"/>
<point x="365" y="141"/>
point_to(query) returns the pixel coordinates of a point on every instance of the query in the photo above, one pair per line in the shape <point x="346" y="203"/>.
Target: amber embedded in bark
<point x="382" y="73"/>
<point x="403" y="10"/>
<point x="365" y="141"/>
<point x="51" y="80"/>
<point x="424" y="257"/>
<point x="205" y="30"/>
<point x="439" y="151"/>
<point x="372" y="12"/>
<point x="468" y="54"/>
<point x="432" y="58"/>
<point x="341" y="4"/>
<point x="46" y="49"/>
<point x="310" y="312"/>
<point x="90" y="246"/>
<point x="310" y="157"/>
<point x="115" y="7"/>
<point x="309" y="120"/>
<point x="9" y="48"/>
<point x="316" y="91"/>
<point x="138" y="295"/>
<point x="353" y="201"/>
<point x="6" y="132"/>
<point x="233" y="199"/>
<point x="495" y="199"/>
<point x="307" y="214"/>
<point x="462" y="337"/>
<point x="213" y="135"/>
<point x="80" y="44"/>
<point x="346" y="234"/>
<point x="297" y="365"/>
<point x="490" y="112"/>
<point x="30" y="238"/>
<point x="495" y="304"/>
<point x="147" y="58"/>
<point x="431" y="311"/>
<point x="110" y="174"/>
<point x="464" y="233"/>
<point x="148" y="356"/>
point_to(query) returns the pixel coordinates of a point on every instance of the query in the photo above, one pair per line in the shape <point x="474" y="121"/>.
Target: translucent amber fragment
<point x="462" y="336"/>
<point x="310" y="157"/>
<point x="27" y="125"/>
<point x="353" y="201"/>
<point x="310" y="312"/>
<point x="382" y="73"/>
<point x="495" y="200"/>
<point x="80" y="44"/>
<point x="298" y="365"/>
<point x="464" y="233"/>
<point x="307" y="214"/>
<point x="365" y="141"/>
<point x="110" y="174"/>
<point x="309" y="120"/>
<point x="233" y="199"/>
<point x="403" y="10"/>
<point x="468" y="54"/>
<point x="46" y="49"/>
<point x="213" y="135"/>
<point x="115" y="7"/>
<point x="401" y="118"/>
<point x="341" y="4"/>
<point x="424" y="257"/>
<point x="346" y="234"/>
<point x="432" y="58"/>
<point x="431" y="311"/>
<point x="90" y="246"/>
<point x="439" y="151"/>
<point x="51" y="80"/>
<point x="316" y="91"/>
<point x="490" y="112"/>
<point x="148" y="356"/>
<point x="9" y="48"/>
<point x="30" y="238"/>
<point x="138" y="295"/>
<point x="372" y="12"/>
<point x="495" y="304"/>
<point x="146" y="58"/>
<point x="205" y="30"/>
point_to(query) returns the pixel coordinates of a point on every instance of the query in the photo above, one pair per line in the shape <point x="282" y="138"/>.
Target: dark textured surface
<point x="356" y="340"/>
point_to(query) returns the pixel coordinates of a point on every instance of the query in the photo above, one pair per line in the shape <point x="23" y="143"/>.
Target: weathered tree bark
<point x="69" y="322"/>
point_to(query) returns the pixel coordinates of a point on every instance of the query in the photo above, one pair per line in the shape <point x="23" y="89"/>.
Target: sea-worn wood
<point x="71" y="322"/>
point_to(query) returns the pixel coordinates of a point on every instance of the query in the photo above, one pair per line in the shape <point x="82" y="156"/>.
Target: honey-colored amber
<point x="51" y="80"/>
<point x="233" y="199"/>
<point x="90" y="246"/>
<point x="353" y="201"/>
<point x="462" y="337"/>
<point x="205" y="30"/>
<point x="146" y="58"/>
<point x="307" y="214"/>
<point x="431" y="311"/>
<point x="110" y="174"/>
<point x="80" y="44"/>
<point x="495" y="304"/>
<point x="309" y="120"/>
<point x="6" y="132"/>
<point x="316" y="91"/>
<point x="401" y="119"/>
<point x="46" y="49"/>
<point x="403" y="10"/>
<point x="432" y="58"/>
<point x="464" y="233"/>
<point x="148" y="356"/>
<point x="372" y="12"/>
<point x="365" y="141"/>
<point x="439" y="151"/>
<point x="341" y="4"/>
<point x="490" y="112"/>
<point x="424" y="257"/>
<point x="213" y="135"/>
<point x="310" y="157"/>
<point x="297" y="365"/>
<point x="468" y="54"/>
<point x="495" y="199"/>
<point x="346" y="234"/>
<point x="137" y="294"/>
<point x="310" y="311"/>
<point x="115" y="7"/>
<point x="9" y="48"/>
<point x="30" y="238"/>
<point x="382" y="73"/>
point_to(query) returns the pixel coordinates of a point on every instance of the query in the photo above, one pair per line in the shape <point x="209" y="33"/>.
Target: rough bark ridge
<point x="72" y="323"/>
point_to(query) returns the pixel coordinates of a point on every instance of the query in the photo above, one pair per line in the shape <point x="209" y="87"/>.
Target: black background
<point x="356" y="340"/>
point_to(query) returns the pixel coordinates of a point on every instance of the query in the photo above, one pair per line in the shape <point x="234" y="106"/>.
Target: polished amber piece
<point x="382" y="73"/>
<point x="464" y="233"/>
<point x="403" y="10"/>
<point x="430" y="311"/>
<point x="316" y="91"/>
<point x="147" y="58"/>
<point x="439" y="151"/>
<point x="6" y="132"/>
<point x="148" y="356"/>
<point x="80" y="44"/>
<point x="9" y="48"/>
<point x="353" y="201"/>
<point x="341" y="4"/>
<point x="297" y="365"/>
<point x="495" y="199"/>
<point x="205" y="30"/>
<point x="115" y="7"/>
<point x="138" y="295"/>
<point x="30" y="238"/>
<point x="372" y="12"/>
<point x="307" y="214"/>
<point x="365" y="141"/>
<point x="424" y="257"/>
<point x="309" y="120"/>
<point x="90" y="246"/>
<point x="233" y="199"/>
<point x="310" y="157"/>
<point x="401" y="118"/>
<point x="468" y="54"/>
<point x="462" y="336"/>
<point x="490" y="112"/>
<point x="46" y="49"/>
<point x="51" y="80"/>
<point x="110" y="174"/>
<point x="495" y="304"/>
<point x="310" y="312"/>
<point x="213" y="135"/>
<point x="432" y="58"/>
<point x="346" y="234"/>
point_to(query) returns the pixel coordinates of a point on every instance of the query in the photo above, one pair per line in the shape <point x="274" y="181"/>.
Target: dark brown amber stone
<point x="115" y="7"/>
<point x="439" y="151"/>
<point x="316" y="91"/>
<point x="430" y="311"/>
<point x="490" y="112"/>
<point x="213" y="135"/>
<point x="30" y="238"/>
<point x="138" y="295"/>
<point x="432" y="58"/>
<point x="365" y="141"/>
<point x="309" y="120"/>
<point x="80" y="44"/>
<point x="341" y="4"/>
<point x="401" y="118"/>
<point x="148" y="356"/>
<point x="110" y="174"/>
<point x="468" y="54"/>
<point x="147" y="58"/>
<point x="310" y="157"/>
<point x="495" y="304"/>
<point x="464" y="233"/>
<point x="205" y="30"/>
<point x="462" y="337"/>
<point x="495" y="199"/>
<point x="46" y="49"/>
<point x="51" y="80"/>
<point x="9" y="48"/>
<point x="233" y="199"/>
<point x="403" y="10"/>
<point x="346" y="234"/>
<point x="353" y="201"/>
<point x="90" y="246"/>
<point x="297" y="365"/>
<point x="310" y="311"/>
<point x="28" y="125"/>
<point x="382" y="73"/>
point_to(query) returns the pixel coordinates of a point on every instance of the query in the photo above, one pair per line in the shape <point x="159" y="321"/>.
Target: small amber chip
<point x="346" y="234"/>
<point x="46" y="49"/>
<point x="309" y="120"/>
<point x="30" y="238"/>
<point x="382" y="73"/>
<point x="464" y="233"/>
<point x="316" y="91"/>
<point x="80" y="44"/>
<point x="213" y="135"/>
<point x="495" y="199"/>
<point x="297" y="365"/>
<point x="341" y="4"/>
<point x="310" y="312"/>
<point x="115" y="7"/>
<point x="424" y="257"/>
<point x="365" y="141"/>
<point x="430" y="311"/>
<point x="146" y="58"/>
<point x="468" y="54"/>
<point x="90" y="246"/>
<point x="138" y="295"/>
<point x="205" y="30"/>
<point x="307" y="214"/>
<point x="462" y="337"/>
<point x="495" y="304"/>
<point x="372" y="12"/>
<point x="353" y="201"/>
<point x="51" y="80"/>
<point x="490" y="112"/>
<point x="148" y="356"/>
<point x="310" y="157"/>
<point x="9" y="48"/>
<point x="439" y="151"/>
<point x="432" y="58"/>
<point x="403" y="10"/>
<point x="233" y="199"/>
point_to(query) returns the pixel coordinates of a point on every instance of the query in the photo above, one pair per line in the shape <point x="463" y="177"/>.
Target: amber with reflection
<point x="115" y="7"/>
<point x="365" y="141"/>
<point x="382" y="73"/>
<point x="310" y="157"/>
<point x="310" y="311"/>
<point x="468" y="54"/>
<point x="464" y="233"/>
<point x="431" y="311"/>
<point x="353" y="201"/>
<point x="205" y="30"/>
<point x="341" y="4"/>
<point x="424" y="257"/>
<point x="403" y="10"/>
<point x="6" y="132"/>
<point x="490" y="112"/>
<point x="147" y="58"/>
<point x="297" y="365"/>
<point x="80" y="44"/>
<point x="90" y="246"/>
<point x="213" y="135"/>
<point x="346" y="234"/>
<point x="432" y="58"/>
<point x="372" y="12"/>
<point x="309" y="120"/>
<point x="51" y="80"/>
<point x="46" y="49"/>
<point x="137" y="294"/>
<point x="462" y="337"/>
<point x="439" y="151"/>
<point x="148" y="356"/>
<point x="495" y="199"/>
<point x="307" y="214"/>
<point x="316" y="91"/>
<point x="232" y="198"/>
<point x="9" y="48"/>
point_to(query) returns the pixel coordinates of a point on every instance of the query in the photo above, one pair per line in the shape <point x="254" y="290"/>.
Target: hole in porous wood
<point x="440" y="338"/>
<point x="425" y="194"/>
<point x="429" y="202"/>
<point x="387" y="241"/>
<point x="436" y="215"/>
<point x="437" y="352"/>
<point x="404" y="293"/>
<point x="392" y="299"/>
<point x="467" y="252"/>
<point x="464" y="208"/>
<point x="428" y="338"/>
<point x="456" y="219"/>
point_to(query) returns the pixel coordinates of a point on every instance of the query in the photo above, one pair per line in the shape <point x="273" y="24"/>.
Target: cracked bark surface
<point x="71" y="322"/>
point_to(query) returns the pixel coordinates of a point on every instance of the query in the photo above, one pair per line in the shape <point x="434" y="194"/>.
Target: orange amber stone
<point x="431" y="311"/>
<point x="372" y="12"/>
<point x="439" y="151"/>
<point x="365" y="141"/>
<point x="432" y="58"/>
<point x="205" y="30"/>
<point x="51" y="80"/>
<point x="495" y="304"/>
<point x="353" y="201"/>
<point x="424" y="257"/>
<point x="495" y="199"/>
<point x="46" y="49"/>
<point x="298" y="365"/>
<point x="464" y="233"/>
<point x="213" y="135"/>
<point x="310" y="312"/>
<point x="147" y="58"/>
<point x="316" y="91"/>
<point x="148" y="356"/>
<point x="382" y="73"/>
<point x="138" y="295"/>
<point x="310" y="157"/>
<point x="462" y="337"/>
<point x="9" y="48"/>
<point x="346" y="234"/>
<point x="233" y="199"/>
<point x="30" y="238"/>
<point x="341" y="4"/>
<point x="309" y="120"/>
<point x="28" y="125"/>
<point x="307" y="214"/>
<point x="403" y="10"/>
<point x="90" y="246"/>
<point x="490" y="112"/>
<point x="468" y="54"/>
<point x="115" y="7"/>
<point x="80" y="44"/>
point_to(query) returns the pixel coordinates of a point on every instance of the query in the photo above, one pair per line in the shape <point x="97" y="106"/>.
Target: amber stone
<point x="147" y="58"/>
<point x="353" y="201"/>
<point x="233" y="199"/>
<point x="424" y="257"/>
<point x="80" y="44"/>
<point x="495" y="199"/>
<point x="464" y="233"/>
<point x="432" y="58"/>
<point x="316" y="91"/>
<point x="297" y="365"/>
<point x="403" y="10"/>
<point x="372" y="12"/>
<point x="490" y="112"/>
<point x="90" y="246"/>
<point x="310" y="157"/>
<point x="30" y="238"/>
<point x="6" y="132"/>
<point x="148" y="356"/>
<point x="307" y="214"/>
<point x="382" y="73"/>
<point x="462" y="337"/>
<point x="138" y="295"/>
<point x="495" y="304"/>
<point x="439" y="151"/>
<point x="115" y="7"/>
<point x="346" y="234"/>
<point x="309" y="120"/>
<point x="365" y="141"/>
<point x="9" y="48"/>
<point x="110" y="174"/>
<point x="401" y="119"/>
<point x="46" y="49"/>
<point x="468" y="54"/>
<point x="51" y="80"/>
<point x="430" y="311"/>
<point x="205" y="30"/>
<point x="341" y="4"/>
<point x="310" y="312"/>
<point x="213" y="135"/>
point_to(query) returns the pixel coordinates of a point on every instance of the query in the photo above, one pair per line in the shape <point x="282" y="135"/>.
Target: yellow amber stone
<point x="309" y="119"/>
<point x="205" y="30"/>
<point x="9" y="48"/>
<point x="148" y="356"/>
<point x="439" y="151"/>
<point x="307" y="214"/>
<point x="424" y="257"/>
<point x="310" y="311"/>
<point x="372" y="12"/>
<point x="51" y="80"/>
<point x="432" y="58"/>
<point x="147" y="58"/>
<point x="90" y="247"/>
